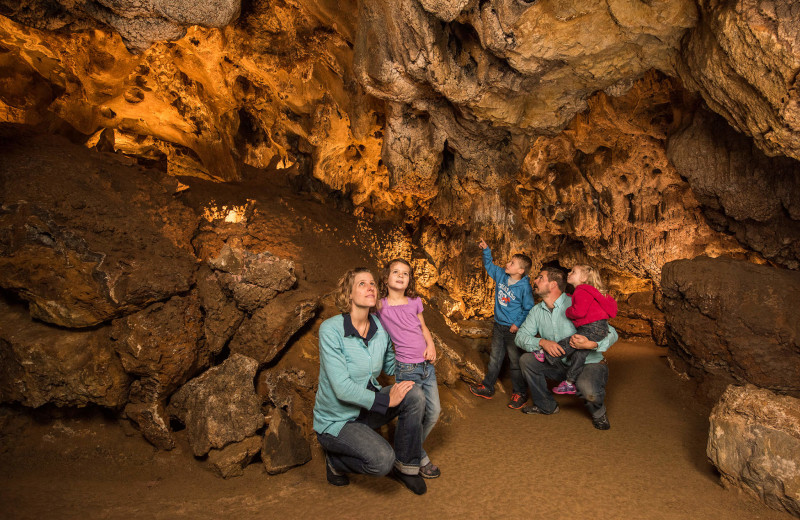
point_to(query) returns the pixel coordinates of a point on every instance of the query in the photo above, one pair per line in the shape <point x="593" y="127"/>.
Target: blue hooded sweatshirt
<point x="511" y="302"/>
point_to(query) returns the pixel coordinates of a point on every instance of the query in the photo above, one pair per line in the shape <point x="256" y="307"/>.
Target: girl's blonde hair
<point x="345" y="288"/>
<point x="592" y="277"/>
<point x="383" y="283"/>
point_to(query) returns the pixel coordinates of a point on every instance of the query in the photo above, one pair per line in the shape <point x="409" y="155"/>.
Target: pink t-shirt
<point x="403" y="326"/>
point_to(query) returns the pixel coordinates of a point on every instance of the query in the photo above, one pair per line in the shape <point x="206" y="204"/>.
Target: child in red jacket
<point x="590" y="311"/>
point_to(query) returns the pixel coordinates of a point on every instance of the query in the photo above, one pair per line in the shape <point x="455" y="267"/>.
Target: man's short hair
<point x="554" y="274"/>
<point x="524" y="261"/>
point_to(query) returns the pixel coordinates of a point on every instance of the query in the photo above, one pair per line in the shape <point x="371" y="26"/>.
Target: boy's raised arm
<point x="495" y="272"/>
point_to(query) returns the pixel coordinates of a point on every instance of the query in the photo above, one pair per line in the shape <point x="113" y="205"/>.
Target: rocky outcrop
<point x="743" y="59"/>
<point x="40" y="364"/>
<point x="118" y="243"/>
<point x="221" y="315"/>
<point x="284" y="444"/>
<point x="231" y="460"/>
<point x="220" y="406"/>
<point x="733" y="321"/>
<point x="742" y="191"/>
<point x="754" y="441"/>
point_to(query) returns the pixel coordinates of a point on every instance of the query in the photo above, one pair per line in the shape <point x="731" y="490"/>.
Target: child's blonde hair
<point x="592" y="277"/>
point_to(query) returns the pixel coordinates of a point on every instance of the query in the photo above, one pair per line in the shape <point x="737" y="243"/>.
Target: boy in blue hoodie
<point x="513" y="301"/>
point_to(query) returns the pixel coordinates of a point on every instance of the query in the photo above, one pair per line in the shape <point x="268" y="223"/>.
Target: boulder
<point x="452" y="365"/>
<point x="284" y="445"/>
<point x="41" y="364"/>
<point x="146" y="409"/>
<point x="754" y="441"/>
<point x="221" y="315"/>
<point x="231" y="460"/>
<point x="733" y="321"/>
<point x="263" y="335"/>
<point x="220" y="406"/>
<point x="117" y="243"/>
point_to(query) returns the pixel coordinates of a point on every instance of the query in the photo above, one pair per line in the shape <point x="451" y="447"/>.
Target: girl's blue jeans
<point x="424" y="376"/>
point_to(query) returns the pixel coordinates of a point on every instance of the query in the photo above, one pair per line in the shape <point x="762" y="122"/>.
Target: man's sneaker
<point x="601" y="423"/>
<point x="539" y="355"/>
<point x="429" y="470"/>
<point x="482" y="391"/>
<point x="533" y="409"/>
<point x="413" y="482"/>
<point x="564" y="388"/>
<point x="334" y="478"/>
<point x="517" y="401"/>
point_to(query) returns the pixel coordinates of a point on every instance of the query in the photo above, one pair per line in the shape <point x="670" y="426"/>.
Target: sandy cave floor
<point x="496" y="463"/>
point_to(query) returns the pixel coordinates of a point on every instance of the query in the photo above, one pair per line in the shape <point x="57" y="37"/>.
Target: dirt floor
<point x="496" y="463"/>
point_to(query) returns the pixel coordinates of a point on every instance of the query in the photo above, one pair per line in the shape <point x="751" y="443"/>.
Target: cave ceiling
<point x="623" y="132"/>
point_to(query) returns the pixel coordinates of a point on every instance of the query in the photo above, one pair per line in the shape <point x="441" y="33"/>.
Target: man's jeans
<point x="591" y="383"/>
<point x="424" y="376"/>
<point x="360" y="449"/>
<point x="594" y="331"/>
<point x="502" y="344"/>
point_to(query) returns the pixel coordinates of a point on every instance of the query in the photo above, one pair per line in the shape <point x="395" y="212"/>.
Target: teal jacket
<point x="542" y="323"/>
<point x="347" y="366"/>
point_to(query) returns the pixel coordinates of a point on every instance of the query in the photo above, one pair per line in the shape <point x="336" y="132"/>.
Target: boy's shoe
<point x="482" y="391"/>
<point x="539" y="355"/>
<point x="517" y="401"/>
<point x="533" y="409"/>
<point x="429" y="470"/>
<point x="413" y="482"/>
<point x="335" y="479"/>
<point x="601" y="423"/>
<point x="564" y="388"/>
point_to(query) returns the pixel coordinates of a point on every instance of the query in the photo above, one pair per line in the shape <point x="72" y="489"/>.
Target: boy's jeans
<point x="360" y="449"/>
<point x="502" y="344"/>
<point x="424" y="376"/>
<point x="594" y="331"/>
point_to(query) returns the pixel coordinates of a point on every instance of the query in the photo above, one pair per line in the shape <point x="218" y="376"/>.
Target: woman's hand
<point x="398" y="392"/>
<point x="430" y="353"/>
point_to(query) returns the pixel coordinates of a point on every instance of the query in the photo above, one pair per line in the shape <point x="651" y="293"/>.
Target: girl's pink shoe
<point x="564" y="388"/>
<point x="539" y="355"/>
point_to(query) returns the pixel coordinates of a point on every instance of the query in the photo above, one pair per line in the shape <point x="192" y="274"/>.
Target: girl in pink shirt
<point x="400" y="311"/>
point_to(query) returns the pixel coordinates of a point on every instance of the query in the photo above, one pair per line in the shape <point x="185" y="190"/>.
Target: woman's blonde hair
<point x="383" y="284"/>
<point x="345" y="288"/>
<point x="592" y="277"/>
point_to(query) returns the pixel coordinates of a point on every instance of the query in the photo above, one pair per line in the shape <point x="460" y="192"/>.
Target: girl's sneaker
<point x="429" y="470"/>
<point x="539" y="355"/>
<point x="564" y="388"/>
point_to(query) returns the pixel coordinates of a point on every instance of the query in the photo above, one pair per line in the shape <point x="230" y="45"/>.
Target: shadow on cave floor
<point x="496" y="463"/>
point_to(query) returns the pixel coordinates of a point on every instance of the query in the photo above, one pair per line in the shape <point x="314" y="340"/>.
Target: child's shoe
<point x="429" y="470"/>
<point x="564" y="388"/>
<point x="539" y="355"/>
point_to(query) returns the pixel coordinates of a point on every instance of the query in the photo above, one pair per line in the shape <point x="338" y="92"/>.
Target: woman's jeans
<point x="424" y="376"/>
<point x="502" y="344"/>
<point x="360" y="449"/>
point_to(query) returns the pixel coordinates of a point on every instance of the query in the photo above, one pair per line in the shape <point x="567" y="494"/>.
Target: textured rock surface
<point x="117" y="244"/>
<point x="754" y="441"/>
<point x="221" y="316"/>
<point x="743" y="58"/>
<point x="220" y="406"/>
<point x="732" y="321"/>
<point x="743" y="192"/>
<point x="284" y="444"/>
<point x="41" y="364"/>
<point x="231" y="460"/>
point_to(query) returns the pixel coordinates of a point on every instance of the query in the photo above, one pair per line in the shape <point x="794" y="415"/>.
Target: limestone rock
<point x="146" y="408"/>
<point x="252" y="279"/>
<point x="284" y="445"/>
<point x="163" y="343"/>
<point x="291" y="388"/>
<point x="118" y="243"/>
<point x="735" y="321"/>
<point x="264" y="334"/>
<point x="220" y="406"/>
<point x="743" y="192"/>
<point x="742" y="57"/>
<point x="754" y="441"/>
<point x="453" y="365"/>
<point x="41" y="364"/>
<point x="231" y="460"/>
<point x="221" y="316"/>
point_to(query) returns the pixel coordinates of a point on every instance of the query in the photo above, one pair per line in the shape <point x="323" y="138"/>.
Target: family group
<point x="382" y="329"/>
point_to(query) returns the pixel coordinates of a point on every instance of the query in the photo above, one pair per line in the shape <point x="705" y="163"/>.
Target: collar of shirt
<point x="350" y="330"/>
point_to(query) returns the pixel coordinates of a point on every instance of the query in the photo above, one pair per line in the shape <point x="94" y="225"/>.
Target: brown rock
<point x="146" y="408"/>
<point x="221" y="316"/>
<point x="732" y="319"/>
<point x="754" y="441"/>
<point x="264" y="334"/>
<point x="452" y="365"/>
<point x="118" y="242"/>
<point x="231" y="460"/>
<point x="40" y="364"/>
<point x="220" y="406"/>
<point x="284" y="445"/>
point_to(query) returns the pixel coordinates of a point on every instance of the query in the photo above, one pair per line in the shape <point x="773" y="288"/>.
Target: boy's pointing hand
<point x="483" y="244"/>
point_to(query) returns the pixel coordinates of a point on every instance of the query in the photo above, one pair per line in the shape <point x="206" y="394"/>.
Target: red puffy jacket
<point x="589" y="305"/>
